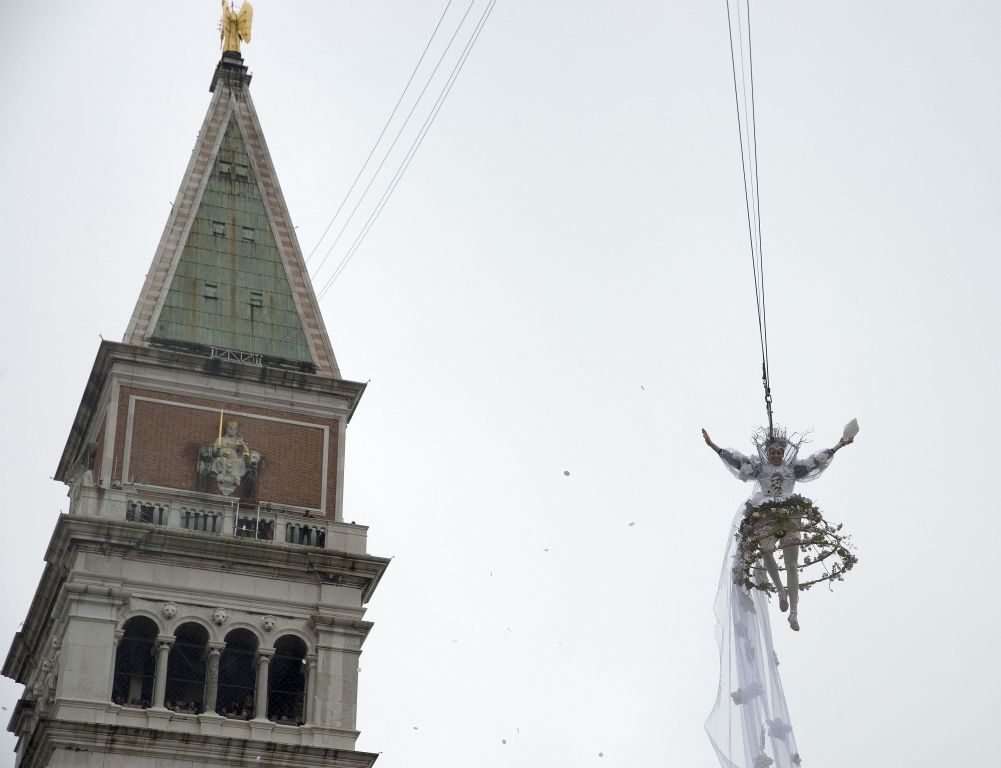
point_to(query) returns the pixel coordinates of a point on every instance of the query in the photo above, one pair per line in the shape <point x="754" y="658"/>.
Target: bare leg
<point x="790" y="556"/>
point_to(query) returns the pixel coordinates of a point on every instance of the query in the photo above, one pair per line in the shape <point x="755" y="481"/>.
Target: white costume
<point x="749" y="725"/>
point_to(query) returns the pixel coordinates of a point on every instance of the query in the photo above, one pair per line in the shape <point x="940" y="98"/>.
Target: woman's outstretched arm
<point x="710" y="443"/>
<point x="842" y="443"/>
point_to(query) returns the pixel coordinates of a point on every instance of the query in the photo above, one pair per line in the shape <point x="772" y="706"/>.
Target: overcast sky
<point x="561" y="283"/>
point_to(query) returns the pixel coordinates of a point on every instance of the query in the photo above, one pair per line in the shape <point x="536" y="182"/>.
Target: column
<point x="310" y="714"/>
<point x="119" y="634"/>
<point x="212" y="677"/>
<point x="263" y="663"/>
<point x="163" y="643"/>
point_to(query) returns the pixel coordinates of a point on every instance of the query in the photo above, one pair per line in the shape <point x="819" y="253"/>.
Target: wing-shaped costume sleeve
<point x="742" y="467"/>
<point x="813" y="466"/>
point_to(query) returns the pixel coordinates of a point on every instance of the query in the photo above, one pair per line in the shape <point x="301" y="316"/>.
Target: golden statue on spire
<point x="235" y="25"/>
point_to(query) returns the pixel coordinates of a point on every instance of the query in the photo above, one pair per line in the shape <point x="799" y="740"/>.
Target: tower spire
<point x="228" y="277"/>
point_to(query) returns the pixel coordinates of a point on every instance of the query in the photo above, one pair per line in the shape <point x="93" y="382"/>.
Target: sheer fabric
<point x="750" y="726"/>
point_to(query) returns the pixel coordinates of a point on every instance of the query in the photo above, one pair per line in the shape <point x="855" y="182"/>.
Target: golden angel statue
<point x="235" y="25"/>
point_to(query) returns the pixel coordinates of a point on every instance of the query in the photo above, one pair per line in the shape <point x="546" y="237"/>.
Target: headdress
<point x="762" y="437"/>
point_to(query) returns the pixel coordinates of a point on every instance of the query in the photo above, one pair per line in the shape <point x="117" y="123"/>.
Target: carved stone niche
<point x="228" y="463"/>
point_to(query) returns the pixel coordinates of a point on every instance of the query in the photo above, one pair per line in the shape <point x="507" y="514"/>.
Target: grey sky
<point x="561" y="282"/>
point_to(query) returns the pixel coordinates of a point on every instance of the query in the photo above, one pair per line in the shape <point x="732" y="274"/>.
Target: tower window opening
<point x="266" y="530"/>
<point x="287" y="682"/>
<point x="237" y="676"/>
<point x="211" y="291"/>
<point x="225" y="169"/>
<point x="246" y="528"/>
<point x="242" y="172"/>
<point x="256" y="299"/>
<point x="248" y="234"/>
<point x="135" y="664"/>
<point x="219" y="228"/>
<point x="185" y="691"/>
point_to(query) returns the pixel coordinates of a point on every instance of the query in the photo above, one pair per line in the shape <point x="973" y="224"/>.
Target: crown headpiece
<point x="762" y="437"/>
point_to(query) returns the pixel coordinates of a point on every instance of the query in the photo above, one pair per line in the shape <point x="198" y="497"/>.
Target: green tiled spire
<point x="230" y="289"/>
<point x="228" y="278"/>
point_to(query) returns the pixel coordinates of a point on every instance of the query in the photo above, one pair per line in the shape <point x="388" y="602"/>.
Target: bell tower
<point x="203" y="599"/>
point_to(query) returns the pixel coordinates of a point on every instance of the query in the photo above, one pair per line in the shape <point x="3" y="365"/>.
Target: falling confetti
<point x="601" y="754"/>
<point x="566" y="473"/>
<point x="546" y="549"/>
<point x="632" y="524"/>
<point x="503" y="741"/>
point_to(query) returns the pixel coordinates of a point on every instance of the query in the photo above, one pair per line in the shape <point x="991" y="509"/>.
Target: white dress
<point x="749" y="726"/>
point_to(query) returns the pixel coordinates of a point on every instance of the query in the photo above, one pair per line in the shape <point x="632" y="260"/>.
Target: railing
<point x="217" y="515"/>
<point x="262" y="521"/>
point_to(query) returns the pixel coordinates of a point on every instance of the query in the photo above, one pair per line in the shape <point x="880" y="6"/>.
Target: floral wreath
<point x="762" y="530"/>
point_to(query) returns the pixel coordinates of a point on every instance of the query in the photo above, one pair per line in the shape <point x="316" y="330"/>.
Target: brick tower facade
<point x="202" y="601"/>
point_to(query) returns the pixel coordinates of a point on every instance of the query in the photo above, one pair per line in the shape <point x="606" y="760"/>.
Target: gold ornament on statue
<point x="235" y="25"/>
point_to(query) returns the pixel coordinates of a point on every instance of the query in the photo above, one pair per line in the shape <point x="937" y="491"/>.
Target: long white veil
<point x="749" y="726"/>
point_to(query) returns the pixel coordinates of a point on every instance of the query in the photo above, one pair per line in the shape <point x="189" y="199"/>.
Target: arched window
<point x="237" y="675"/>
<point x="287" y="682"/>
<point x="135" y="663"/>
<point x="185" y="689"/>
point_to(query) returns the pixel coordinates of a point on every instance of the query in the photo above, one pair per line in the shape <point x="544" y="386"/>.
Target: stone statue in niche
<point x="230" y="462"/>
<point x="203" y="467"/>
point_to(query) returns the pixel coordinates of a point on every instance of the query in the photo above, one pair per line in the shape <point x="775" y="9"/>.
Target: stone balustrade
<point x="204" y="513"/>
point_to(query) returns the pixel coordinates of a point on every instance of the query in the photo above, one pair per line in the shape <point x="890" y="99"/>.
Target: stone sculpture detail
<point x="219" y="616"/>
<point x="169" y="610"/>
<point x="268" y="622"/>
<point x="229" y="462"/>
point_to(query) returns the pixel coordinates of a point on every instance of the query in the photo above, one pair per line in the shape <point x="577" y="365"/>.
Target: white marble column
<point x="163" y="643"/>
<point x="119" y="634"/>
<point x="212" y="677"/>
<point x="263" y="664"/>
<point x="309" y="714"/>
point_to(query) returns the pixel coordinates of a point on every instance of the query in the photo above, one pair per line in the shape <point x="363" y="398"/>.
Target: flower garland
<point x="768" y="527"/>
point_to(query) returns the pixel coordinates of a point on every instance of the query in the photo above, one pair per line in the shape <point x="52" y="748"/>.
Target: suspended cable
<point x="399" y="133"/>
<point x="747" y="133"/>
<point x="382" y="132"/>
<point x="429" y="121"/>
<point x="757" y="209"/>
